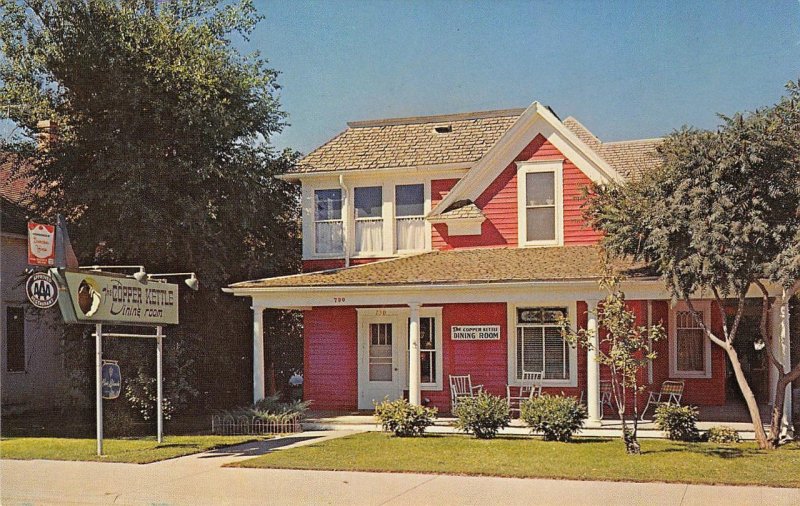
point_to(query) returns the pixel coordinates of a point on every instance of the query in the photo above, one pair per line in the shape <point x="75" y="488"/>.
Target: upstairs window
<point x="540" y="191"/>
<point x="328" y="226"/>
<point x="368" y="204"/>
<point x="410" y="213"/>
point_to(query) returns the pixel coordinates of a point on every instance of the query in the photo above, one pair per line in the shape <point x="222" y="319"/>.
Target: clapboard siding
<point x="331" y="357"/>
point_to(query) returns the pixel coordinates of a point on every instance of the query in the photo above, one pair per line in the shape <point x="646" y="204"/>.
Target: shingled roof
<point x="466" y="266"/>
<point x="451" y="139"/>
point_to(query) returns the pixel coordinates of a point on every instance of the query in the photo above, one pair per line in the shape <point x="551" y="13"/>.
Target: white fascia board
<point x="442" y="169"/>
<point x="537" y="119"/>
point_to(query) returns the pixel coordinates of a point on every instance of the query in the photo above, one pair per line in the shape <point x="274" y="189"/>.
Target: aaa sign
<point x="41" y="244"/>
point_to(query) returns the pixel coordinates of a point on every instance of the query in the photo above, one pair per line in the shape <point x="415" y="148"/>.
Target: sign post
<point x="98" y="365"/>
<point x="159" y="389"/>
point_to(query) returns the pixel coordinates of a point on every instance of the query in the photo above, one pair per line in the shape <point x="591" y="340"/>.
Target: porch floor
<point x="733" y="415"/>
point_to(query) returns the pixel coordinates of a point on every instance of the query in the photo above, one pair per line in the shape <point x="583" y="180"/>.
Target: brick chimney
<point x="47" y="134"/>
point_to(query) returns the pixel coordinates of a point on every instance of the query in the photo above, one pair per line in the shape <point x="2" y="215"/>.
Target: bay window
<point x="328" y="236"/>
<point x="540" y="202"/>
<point x="410" y="217"/>
<point x="368" y="204"/>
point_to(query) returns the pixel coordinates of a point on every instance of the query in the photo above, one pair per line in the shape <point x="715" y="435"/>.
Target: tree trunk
<point x="777" y="411"/>
<point x="749" y="398"/>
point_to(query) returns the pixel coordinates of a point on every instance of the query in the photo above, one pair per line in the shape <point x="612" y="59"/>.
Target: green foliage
<point x="483" y="415"/>
<point x="678" y="422"/>
<point x="271" y="409"/>
<point x="162" y="158"/>
<point x="723" y="434"/>
<point x="623" y="347"/>
<point x="555" y="416"/>
<point x="404" y="419"/>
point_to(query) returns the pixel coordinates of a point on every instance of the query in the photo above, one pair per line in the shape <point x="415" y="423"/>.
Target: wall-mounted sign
<point x="112" y="379"/>
<point x="475" y="332"/>
<point x="102" y="297"/>
<point x="42" y="290"/>
<point x="41" y="244"/>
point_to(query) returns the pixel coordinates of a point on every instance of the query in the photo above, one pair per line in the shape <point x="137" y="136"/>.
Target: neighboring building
<point x="31" y="364"/>
<point x="444" y="222"/>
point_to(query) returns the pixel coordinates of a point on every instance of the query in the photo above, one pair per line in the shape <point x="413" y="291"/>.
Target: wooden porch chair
<point x="460" y="387"/>
<point x="606" y="396"/>
<point x="531" y="387"/>
<point x="671" y="392"/>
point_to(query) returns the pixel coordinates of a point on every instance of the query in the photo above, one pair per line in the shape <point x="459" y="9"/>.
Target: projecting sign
<point x="101" y="297"/>
<point x="112" y="379"/>
<point x="41" y="244"/>
<point x="475" y="332"/>
<point x="42" y="291"/>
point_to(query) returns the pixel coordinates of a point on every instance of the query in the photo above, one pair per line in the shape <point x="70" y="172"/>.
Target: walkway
<point x="201" y="479"/>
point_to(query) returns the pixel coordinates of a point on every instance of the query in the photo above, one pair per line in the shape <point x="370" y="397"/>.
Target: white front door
<point x="381" y="341"/>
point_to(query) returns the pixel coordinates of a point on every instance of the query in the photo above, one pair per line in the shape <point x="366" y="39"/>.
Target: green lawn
<point x="584" y="459"/>
<point x="137" y="451"/>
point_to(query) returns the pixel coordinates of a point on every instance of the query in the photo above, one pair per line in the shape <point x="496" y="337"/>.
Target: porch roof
<point x="466" y="266"/>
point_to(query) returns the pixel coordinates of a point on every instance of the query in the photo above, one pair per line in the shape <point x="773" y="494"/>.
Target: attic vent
<point x="443" y="129"/>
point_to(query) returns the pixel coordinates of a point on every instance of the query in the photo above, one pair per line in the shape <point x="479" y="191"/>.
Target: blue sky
<point x="625" y="69"/>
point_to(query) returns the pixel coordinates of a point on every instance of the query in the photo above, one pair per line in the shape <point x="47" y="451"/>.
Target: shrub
<point x="678" y="422"/>
<point x="404" y="419"/>
<point x="271" y="409"/>
<point x="555" y="416"/>
<point x="723" y="434"/>
<point x="483" y="415"/>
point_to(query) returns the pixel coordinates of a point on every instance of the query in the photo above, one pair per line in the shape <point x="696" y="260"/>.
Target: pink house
<point x="448" y="245"/>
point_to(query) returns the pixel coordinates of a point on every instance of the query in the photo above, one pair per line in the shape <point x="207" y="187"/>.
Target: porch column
<point x="781" y="347"/>
<point x="413" y="355"/>
<point x="592" y="366"/>
<point x="258" y="353"/>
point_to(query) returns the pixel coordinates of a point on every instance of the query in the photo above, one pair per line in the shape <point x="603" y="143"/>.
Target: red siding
<point x="698" y="391"/>
<point x="499" y="204"/>
<point x="331" y="358"/>
<point x="439" y="187"/>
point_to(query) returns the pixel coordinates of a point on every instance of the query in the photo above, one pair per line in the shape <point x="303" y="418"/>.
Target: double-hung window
<point x="368" y="203"/>
<point x="540" y="203"/>
<point x="429" y="358"/>
<point x="690" y="350"/>
<point x="410" y="217"/>
<point x="328" y="228"/>
<point x="539" y="346"/>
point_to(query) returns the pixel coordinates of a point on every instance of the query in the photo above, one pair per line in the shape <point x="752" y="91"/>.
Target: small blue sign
<point x="112" y="380"/>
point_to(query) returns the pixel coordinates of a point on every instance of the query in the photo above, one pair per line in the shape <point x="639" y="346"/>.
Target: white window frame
<point x="426" y="190"/>
<point x="539" y="166"/>
<point x="355" y="220"/>
<point x="572" y="310"/>
<point x="705" y="308"/>
<point x="314" y="221"/>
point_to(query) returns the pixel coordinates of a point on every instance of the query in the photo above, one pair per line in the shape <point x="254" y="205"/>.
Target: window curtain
<point x="369" y="235"/>
<point x="328" y="236"/>
<point x="690" y="350"/>
<point x="410" y="233"/>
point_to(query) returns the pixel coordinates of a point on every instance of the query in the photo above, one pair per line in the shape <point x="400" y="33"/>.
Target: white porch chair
<point x="460" y="387"/>
<point x="606" y="396"/>
<point x="671" y="392"/>
<point x="531" y="387"/>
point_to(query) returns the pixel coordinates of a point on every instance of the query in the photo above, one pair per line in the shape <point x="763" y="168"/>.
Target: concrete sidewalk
<point x="200" y="479"/>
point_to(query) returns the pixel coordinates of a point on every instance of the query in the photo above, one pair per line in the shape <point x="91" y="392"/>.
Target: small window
<point x="368" y="203"/>
<point x="410" y="212"/>
<point x="540" y="347"/>
<point x="427" y="349"/>
<point x="328" y="226"/>
<point x="540" y="206"/>
<point x="15" y="339"/>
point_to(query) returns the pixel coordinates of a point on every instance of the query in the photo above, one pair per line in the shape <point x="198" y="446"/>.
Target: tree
<point x="625" y="349"/>
<point x="161" y="153"/>
<point x="721" y="216"/>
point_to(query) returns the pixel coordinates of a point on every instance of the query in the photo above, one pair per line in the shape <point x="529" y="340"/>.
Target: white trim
<point x="511" y="322"/>
<point x="464" y="226"/>
<point x="703" y="306"/>
<point x="398" y="316"/>
<point x="533" y="167"/>
<point x="536" y="120"/>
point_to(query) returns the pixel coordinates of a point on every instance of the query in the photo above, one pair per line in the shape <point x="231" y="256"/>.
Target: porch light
<point x="192" y="281"/>
<point x="759" y="344"/>
<point x="140" y="275"/>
